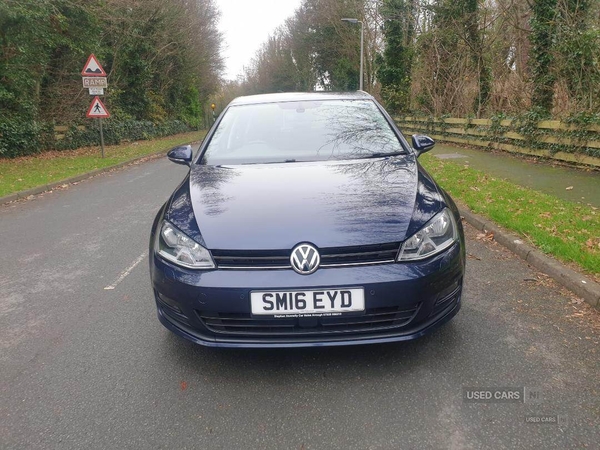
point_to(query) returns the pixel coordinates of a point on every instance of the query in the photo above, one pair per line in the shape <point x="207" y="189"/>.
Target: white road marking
<point x="126" y="272"/>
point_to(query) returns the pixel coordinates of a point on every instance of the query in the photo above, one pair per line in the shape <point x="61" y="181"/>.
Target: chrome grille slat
<point x="361" y="322"/>
<point x="386" y="254"/>
<point x="246" y="325"/>
<point x="234" y="258"/>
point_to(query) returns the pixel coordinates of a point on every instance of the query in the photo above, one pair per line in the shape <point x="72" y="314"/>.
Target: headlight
<point x="175" y="246"/>
<point x="437" y="235"/>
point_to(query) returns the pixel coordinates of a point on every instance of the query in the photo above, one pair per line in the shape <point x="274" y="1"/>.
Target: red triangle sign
<point x="93" y="68"/>
<point x="97" y="110"/>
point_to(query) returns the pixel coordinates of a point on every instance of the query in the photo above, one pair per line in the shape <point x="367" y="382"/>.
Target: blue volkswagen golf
<point x="306" y="220"/>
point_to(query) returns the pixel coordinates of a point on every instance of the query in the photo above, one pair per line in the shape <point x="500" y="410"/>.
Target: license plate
<point x="313" y="303"/>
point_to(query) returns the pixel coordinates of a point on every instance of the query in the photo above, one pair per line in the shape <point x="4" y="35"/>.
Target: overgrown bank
<point x="162" y="58"/>
<point x="568" y="231"/>
<point x="28" y="139"/>
<point x="28" y="172"/>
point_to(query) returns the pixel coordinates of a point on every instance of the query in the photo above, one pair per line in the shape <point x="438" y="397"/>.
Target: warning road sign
<point x="93" y="68"/>
<point x="97" y="110"/>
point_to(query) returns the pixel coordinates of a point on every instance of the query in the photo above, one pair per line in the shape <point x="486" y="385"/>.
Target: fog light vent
<point x="169" y="302"/>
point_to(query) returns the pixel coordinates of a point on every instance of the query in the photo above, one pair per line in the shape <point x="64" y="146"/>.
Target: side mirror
<point x="181" y="155"/>
<point x="422" y="143"/>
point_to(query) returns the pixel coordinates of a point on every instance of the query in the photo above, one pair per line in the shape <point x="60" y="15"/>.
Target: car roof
<point x="299" y="96"/>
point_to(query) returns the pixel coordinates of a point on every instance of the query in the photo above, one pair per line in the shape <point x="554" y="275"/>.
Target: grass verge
<point x="28" y="172"/>
<point x="568" y="231"/>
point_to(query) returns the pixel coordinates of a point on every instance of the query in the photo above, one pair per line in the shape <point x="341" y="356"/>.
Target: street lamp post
<point x="362" y="34"/>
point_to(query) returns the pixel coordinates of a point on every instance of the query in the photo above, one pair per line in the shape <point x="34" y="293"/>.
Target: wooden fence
<point x="552" y="139"/>
<point x="549" y="138"/>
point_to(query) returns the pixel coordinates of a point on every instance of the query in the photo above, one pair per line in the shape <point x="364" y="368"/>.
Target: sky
<point x="246" y="24"/>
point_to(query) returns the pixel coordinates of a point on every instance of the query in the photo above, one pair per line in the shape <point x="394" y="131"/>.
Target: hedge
<point x="22" y="139"/>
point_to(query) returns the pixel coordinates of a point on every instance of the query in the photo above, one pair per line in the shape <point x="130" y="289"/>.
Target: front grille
<point x="330" y="257"/>
<point x="259" y="259"/>
<point x="375" y="319"/>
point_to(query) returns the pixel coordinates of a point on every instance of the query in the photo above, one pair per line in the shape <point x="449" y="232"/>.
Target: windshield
<point x="301" y="131"/>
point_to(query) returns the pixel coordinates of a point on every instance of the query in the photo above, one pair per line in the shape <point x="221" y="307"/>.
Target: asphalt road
<point x="82" y="366"/>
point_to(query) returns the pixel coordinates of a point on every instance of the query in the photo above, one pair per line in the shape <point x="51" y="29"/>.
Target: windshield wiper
<point x="382" y="154"/>
<point x="273" y="162"/>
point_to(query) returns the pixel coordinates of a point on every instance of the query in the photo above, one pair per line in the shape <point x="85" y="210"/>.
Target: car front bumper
<point x="403" y="301"/>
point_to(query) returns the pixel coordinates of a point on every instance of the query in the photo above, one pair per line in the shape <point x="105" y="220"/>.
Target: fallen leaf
<point x="183" y="385"/>
<point x="569" y="188"/>
<point x="489" y="236"/>
<point x="593" y="243"/>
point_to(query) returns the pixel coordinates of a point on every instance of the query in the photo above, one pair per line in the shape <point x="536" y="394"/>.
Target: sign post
<point x="101" y="137"/>
<point x="94" y="79"/>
